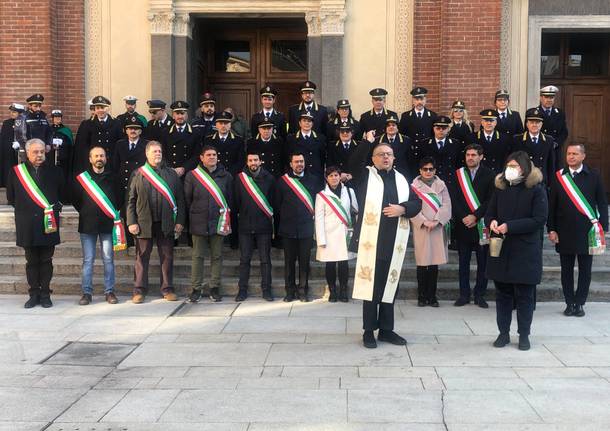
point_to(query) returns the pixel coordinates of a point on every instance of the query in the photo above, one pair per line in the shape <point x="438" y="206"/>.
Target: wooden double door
<point x="241" y="56"/>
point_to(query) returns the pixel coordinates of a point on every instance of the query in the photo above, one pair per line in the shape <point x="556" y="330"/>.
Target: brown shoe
<point x="138" y="298"/>
<point x="170" y="296"/>
<point x="111" y="298"/>
<point x="85" y="299"/>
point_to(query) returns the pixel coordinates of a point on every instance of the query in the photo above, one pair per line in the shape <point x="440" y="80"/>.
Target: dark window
<point x="232" y="56"/>
<point x="550" y="64"/>
<point x="289" y="55"/>
<point x="587" y="55"/>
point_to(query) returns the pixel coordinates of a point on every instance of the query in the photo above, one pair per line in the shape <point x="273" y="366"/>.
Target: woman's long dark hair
<point x="523" y="159"/>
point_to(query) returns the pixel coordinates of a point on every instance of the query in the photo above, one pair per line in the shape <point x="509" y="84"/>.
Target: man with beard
<point x="203" y="125"/>
<point x="319" y="113"/>
<point x="130" y="111"/>
<point x="375" y="119"/>
<point x="180" y="143"/>
<point x="159" y="121"/>
<point x="270" y="147"/>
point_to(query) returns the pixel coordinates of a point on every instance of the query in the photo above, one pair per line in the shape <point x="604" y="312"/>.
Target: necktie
<point x="309" y="109"/>
<point x="419" y="115"/>
<point x="180" y="129"/>
<point x="306" y="137"/>
<point x="346" y="145"/>
<point x="440" y="145"/>
<point x="489" y="139"/>
<point x="502" y="115"/>
<point x="132" y="145"/>
<point x="472" y="174"/>
<point x="534" y="140"/>
<point x="574" y="174"/>
<point x="391" y="141"/>
<point x="548" y="112"/>
<point x="267" y="114"/>
<point x="222" y="140"/>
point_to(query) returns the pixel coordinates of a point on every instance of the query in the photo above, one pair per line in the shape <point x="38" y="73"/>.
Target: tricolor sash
<point x="98" y="196"/>
<point x="256" y="194"/>
<point x="30" y="186"/>
<point x="299" y="190"/>
<point x="597" y="241"/>
<point x="431" y="199"/>
<point x="224" y="214"/>
<point x="161" y="186"/>
<point x="472" y="200"/>
<point x="337" y="208"/>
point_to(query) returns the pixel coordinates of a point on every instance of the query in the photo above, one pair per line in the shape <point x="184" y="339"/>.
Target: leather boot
<point x="332" y="297"/>
<point x="289" y="294"/>
<point x="343" y="293"/>
<point x="421" y="286"/>
<point x="431" y="282"/>
<point x="33" y="301"/>
<point x="302" y="293"/>
<point x="45" y="300"/>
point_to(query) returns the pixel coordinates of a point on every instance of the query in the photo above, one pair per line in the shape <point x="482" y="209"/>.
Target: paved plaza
<point x="260" y="366"/>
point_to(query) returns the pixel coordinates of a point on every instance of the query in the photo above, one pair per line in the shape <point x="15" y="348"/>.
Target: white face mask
<point x="511" y="174"/>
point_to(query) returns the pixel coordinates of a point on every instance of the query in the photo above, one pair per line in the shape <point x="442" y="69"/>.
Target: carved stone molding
<point x="161" y="22"/>
<point x="93" y="48"/>
<point x="313" y="23"/>
<point x="403" y="54"/>
<point x="332" y="22"/>
<point x="182" y="25"/>
<point x="505" y="44"/>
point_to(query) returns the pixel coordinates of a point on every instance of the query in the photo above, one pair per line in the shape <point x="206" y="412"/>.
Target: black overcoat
<point x="295" y="221"/>
<point x="91" y="219"/>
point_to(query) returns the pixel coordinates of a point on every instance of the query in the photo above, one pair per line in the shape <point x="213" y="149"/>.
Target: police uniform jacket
<point x="203" y="210"/>
<point x="313" y="148"/>
<point x="319" y="113"/>
<point x="370" y="120"/>
<point x="511" y="125"/>
<point x="554" y="124"/>
<point x="95" y="133"/>
<point x="494" y="152"/>
<point x="180" y="149"/>
<point x="64" y="152"/>
<point x="415" y="128"/>
<point x="401" y="146"/>
<point x="541" y="154"/>
<point x="91" y="219"/>
<point x="38" y="126"/>
<point x="28" y="215"/>
<point x="446" y="158"/>
<point x="126" y="116"/>
<point x="483" y="185"/>
<point x="463" y="134"/>
<point x="154" y="128"/>
<point x="230" y="152"/>
<point x="8" y="154"/>
<point x="251" y="219"/>
<point x="295" y="220"/>
<point x="202" y="127"/>
<point x="332" y="128"/>
<point x="572" y="226"/>
<point x="124" y="163"/>
<point x="277" y="118"/>
<point x="339" y="156"/>
<point x="271" y="153"/>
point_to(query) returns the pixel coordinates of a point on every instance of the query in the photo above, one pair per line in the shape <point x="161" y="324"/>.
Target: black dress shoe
<point x="85" y="299"/>
<point x="332" y="297"/>
<point x="215" y="295"/>
<point x="267" y="295"/>
<point x="368" y="340"/>
<point x="289" y="296"/>
<point x="45" y="302"/>
<point x="460" y="302"/>
<point x="241" y="296"/>
<point x="433" y="303"/>
<point x="391" y="337"/>
<point x="524" y="342"/>
<point x="578" y="310"/>
<point x="502" y="340"/>
<point x="32" y="302"/>
<point x="195" y="295"/>
<point x="482" y="303"/>
<point x="569" y="311"/>
<point x="421" y="303"/>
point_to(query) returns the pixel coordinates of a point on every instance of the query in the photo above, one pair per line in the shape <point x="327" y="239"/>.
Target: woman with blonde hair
<point x="462" y="128"/>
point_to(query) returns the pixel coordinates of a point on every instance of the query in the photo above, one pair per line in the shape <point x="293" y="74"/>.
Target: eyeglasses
<point x="388" y="154"/>
<point x="427" y="169"/>
<point x="458" y="110"/>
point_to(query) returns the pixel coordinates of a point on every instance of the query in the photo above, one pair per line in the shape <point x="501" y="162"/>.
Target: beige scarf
<point x="369" y="232"/>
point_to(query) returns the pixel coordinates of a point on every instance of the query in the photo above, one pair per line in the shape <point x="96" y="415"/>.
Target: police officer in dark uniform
<point x="309" y="143"/>
<point x="554" y="122"/>
<point x="443" y="149"/>
<point x="343" y="117"/>
<point x="36" y="121"/>
<point x="400" y="144"/>
<point x="180" y="142"/>
<point x="461" y="128"/>
<point x="496" y="145"/>
<point x="160" y="120"/>
<point x="130" y="111"/>
<point x="9" y="142"/>
<point x="203" y="125"/>
<point x="103" y="131"/>
<point x="509" y="121"/>
<point x="62" y="144"/>
<point x="539" y="146"/>
<point x="269" y="113"/>
<point x="270" y="148"/>
<point x="417" y="122"/>
<point x="375" y="119"/>
<point x="339" y="153"/>
<point x="229" y="145"/>
<point x="319" y="113"/>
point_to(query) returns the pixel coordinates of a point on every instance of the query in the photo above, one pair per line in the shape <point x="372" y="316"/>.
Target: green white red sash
<point x="597" y="241"/>
<point x="256" y="194"/>
<point x="30" y="186"/>
<point x="119" y="240"/>
<point x="161" y="186"/>
<point x="299" y="190"/>
<point x="472" y="200"/>
<point x="431" y="199"/>
<point x="224" y="214"/>
<point x="337" y="208"/>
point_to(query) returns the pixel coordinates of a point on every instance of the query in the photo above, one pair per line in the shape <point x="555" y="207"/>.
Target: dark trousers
<point x="39" y="269"/>
<point x="585" y="262"/>
<point x="331" y="273"/>
<point x="377" y="314"/>
<point x="296" y="249"/>
<point x="509" y="294"/>
<point x="247" y="241"/>
<point x="165" y="248"/>
<point x="427" y="278"/>
<point x="465" y="250"/>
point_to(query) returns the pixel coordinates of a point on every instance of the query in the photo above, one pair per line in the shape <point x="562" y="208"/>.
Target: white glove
<point x="57" y="142"/>
<point x="16" y="145"/>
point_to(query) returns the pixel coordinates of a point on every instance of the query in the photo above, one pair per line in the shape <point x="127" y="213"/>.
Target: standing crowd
<point x="350" y="188"/>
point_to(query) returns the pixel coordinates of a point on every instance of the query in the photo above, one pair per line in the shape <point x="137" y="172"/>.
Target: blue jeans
<point x="88" y="242"/>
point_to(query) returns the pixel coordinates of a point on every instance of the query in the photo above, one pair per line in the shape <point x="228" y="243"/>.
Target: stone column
<point x="162" y="55"/>
<point x="331" y="41"/>
<point x="314" y="50"/>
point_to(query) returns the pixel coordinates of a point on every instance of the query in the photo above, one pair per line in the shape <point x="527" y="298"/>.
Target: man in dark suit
<point x="160" y="120"/>
<point x="375" y="119"/>
<point x="339" y="153"/>
<point x="401" y="145"/>
<point x="270" y="148"/>
<point x="203" y="125"/>
<point x="509" y="121"/>
<point x="309" y="143"/>
<point x="443" y="149"/>
<point x="229" y="145"/>
<point x="130" y="111"/>
<point x="539" y="146"/>
<point x="180" y="142"/>
<point x="294" y="200"/>
<point x="318" y="112"/>
<point x="37" y="125"/>
<point x="417" y="125"/>
<point x="468" y="215"/>
<point x="496" y="145"/>
<point x="269" y="113"/>
<point x="569" y="229"/>
<point x="554" y="122"/>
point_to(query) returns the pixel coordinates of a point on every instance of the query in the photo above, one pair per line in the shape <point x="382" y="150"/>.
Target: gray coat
<point x="138" y="202"/>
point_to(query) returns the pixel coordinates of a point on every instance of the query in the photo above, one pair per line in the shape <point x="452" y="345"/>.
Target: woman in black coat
<point x="518" y="210"/>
